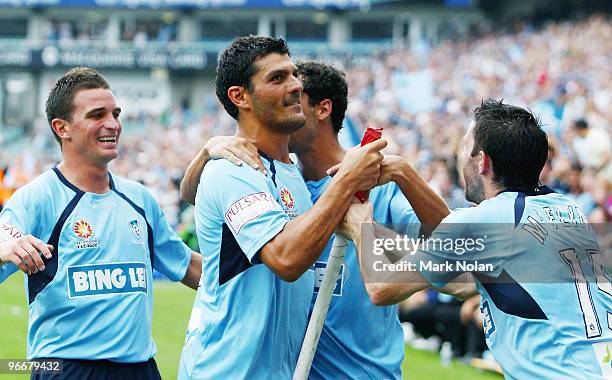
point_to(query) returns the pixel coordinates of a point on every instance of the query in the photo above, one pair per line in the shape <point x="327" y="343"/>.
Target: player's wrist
<point x="398" y="170"/>
<point x="345" y="182"/>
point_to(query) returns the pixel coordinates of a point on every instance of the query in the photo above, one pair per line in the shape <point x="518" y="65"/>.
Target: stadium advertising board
<point x="190" y="4"/>
<point x="117" y="58"/>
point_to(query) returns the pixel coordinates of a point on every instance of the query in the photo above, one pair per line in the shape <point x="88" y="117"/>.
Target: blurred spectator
<point x="554" y="70"/>
<point x="449" y="319"/>
<point x="592" y="145"/>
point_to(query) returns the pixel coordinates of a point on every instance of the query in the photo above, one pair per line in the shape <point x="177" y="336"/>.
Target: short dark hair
<point x="514" y="139"/>
<point x="237" y="65"/>
<point x="581" y="124"/>
<point x="322" y="82"/>
<point x="60" y="102"/>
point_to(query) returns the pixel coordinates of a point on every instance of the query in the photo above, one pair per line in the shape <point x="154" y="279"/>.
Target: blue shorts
<point x="103" y="370"/>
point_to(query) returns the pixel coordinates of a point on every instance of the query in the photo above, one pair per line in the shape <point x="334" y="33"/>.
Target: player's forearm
<point x="300" y="243"/>
<point x="194" y="271"/>
<point x="189" y="184"/>
<point x="429" y="207"/>
<point x="397" y="288"/>
<point x="462" y="287"/>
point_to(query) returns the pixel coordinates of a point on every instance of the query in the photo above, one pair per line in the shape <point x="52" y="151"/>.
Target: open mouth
<point x="293" y="102"/>
<point x="108" y="139"/>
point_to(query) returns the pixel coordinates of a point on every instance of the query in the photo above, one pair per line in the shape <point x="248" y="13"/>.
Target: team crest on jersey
<point x="135" y="228"/>
<point x="287" y="198"/>
<point x="84" y="231"/>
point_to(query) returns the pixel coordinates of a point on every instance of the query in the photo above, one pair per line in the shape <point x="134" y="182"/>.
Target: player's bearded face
<point x="276" y="94"/>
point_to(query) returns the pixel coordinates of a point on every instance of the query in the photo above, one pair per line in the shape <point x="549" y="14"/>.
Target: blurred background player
<point x="546" y="297"/>
<point x="90" y="301"/>
<point x="259" y="233"/>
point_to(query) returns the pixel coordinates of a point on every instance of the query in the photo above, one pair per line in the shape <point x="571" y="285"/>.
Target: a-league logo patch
<point x="135" y="228"/>
<point x="84" y="231"/>
<point x="287" y="198"/>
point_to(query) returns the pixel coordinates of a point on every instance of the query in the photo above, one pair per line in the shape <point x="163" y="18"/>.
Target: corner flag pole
<point x="319" y="312"/>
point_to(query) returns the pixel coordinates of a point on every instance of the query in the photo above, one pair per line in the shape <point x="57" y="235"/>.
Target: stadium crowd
<point x="424" y="101"/>
<point x="424" y="98"/>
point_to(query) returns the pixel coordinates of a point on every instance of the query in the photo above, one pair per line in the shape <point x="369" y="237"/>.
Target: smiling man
<point x="260" y="234"/>
<point x="90" y="298"/>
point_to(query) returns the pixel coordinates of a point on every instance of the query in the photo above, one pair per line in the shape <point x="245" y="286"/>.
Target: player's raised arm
<point x="393" y="286"/>
<point x="298" y="245"/>
<point x="429" y="207"/>
<point x="233" y="148"/>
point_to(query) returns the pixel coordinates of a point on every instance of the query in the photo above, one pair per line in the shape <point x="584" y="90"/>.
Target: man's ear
<point x="239" y="96"/>
<point x="324" y="109"/>
<point x="61" y="128"/>
<point x="484" y="163"/>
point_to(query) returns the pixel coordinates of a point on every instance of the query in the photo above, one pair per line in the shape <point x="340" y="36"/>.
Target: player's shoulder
<point x="39" y="188"/>
<point x="125" y="185"/>
<point x="221" y="167"/>
<point x="225" y="175"/>
<point x="134" y="191"/>
<point x="499" y="209"/>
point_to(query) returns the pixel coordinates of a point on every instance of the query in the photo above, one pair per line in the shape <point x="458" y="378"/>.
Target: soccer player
<point x="260" y="233"/>
<point x="90" y="299"/>
<point x="371" y="345"/>
<point x="545" y="295"/>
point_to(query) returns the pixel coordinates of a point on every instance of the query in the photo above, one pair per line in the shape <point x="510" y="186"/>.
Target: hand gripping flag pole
<point x="321" y="306"/>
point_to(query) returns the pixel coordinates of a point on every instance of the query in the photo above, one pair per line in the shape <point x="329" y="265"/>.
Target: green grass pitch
<point x="172" y="307"/>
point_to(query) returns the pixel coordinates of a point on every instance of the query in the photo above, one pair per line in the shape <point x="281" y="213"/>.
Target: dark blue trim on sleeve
<point x="510" y="297"/>
<point x="232" y="259"/>
<point x="141" y="211"/>
<point x="38" y="281"/>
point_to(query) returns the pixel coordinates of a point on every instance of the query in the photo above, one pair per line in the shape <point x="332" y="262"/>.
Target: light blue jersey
<point x="542" y="320"/>
<point x="94" y="298"/>
<point x="359" y="339"/>
<point x="246" y="323"/>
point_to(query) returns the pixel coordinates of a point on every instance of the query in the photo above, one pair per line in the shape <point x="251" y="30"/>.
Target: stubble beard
<point x="474" y="187"/>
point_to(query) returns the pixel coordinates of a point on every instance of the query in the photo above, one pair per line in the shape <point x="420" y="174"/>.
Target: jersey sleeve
<point x="460" y="245"/>
<point x="17" y="212"/>
<point x="172" y="255"/>
<point x="244" y="198"/>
